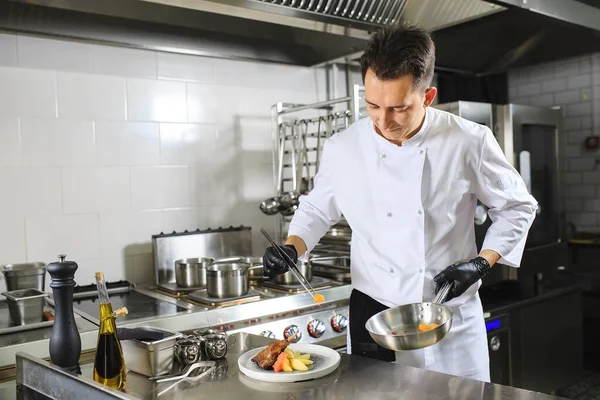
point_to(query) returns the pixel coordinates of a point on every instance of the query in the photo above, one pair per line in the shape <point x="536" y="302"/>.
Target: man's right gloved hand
<point x="274" y="264"/>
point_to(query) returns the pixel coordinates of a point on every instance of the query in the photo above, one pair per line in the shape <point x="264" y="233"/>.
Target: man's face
<point x="395" y="106"/>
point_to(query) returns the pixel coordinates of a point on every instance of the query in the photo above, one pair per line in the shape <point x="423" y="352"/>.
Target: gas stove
<point x="277" y="311"/>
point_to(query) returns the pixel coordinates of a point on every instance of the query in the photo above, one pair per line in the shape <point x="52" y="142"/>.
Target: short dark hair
<point x="396" y="51"/>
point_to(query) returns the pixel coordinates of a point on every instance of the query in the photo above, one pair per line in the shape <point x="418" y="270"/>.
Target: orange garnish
<point x="425" y="327"/>
<point x="319" y="298"/>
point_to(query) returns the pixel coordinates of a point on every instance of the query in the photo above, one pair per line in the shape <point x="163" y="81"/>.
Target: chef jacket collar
<point x="413" y="141"/>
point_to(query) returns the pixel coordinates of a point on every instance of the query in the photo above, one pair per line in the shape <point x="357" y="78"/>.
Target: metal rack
<point x="299" y="132"/>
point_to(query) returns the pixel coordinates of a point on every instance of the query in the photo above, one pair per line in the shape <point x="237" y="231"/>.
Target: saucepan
<point x="191" y="272"/>
<point x="255" y="265"/>
<point x="411" y="326"/>
<point x="288" y="278"/>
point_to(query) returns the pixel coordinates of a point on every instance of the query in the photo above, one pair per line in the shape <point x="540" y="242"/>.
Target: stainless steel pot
<point x="25" y="276"/>
<point x="227" y="280"/>
<point x="255" y="264"/>
<point x="288" y="278"/>
<point x="191" y="272"/>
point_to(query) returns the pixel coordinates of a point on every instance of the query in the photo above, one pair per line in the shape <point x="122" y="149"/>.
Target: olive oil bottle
<point x="109" y="366"/>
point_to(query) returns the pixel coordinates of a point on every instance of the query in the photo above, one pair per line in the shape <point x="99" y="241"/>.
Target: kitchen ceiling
<point x="472" y="36"/>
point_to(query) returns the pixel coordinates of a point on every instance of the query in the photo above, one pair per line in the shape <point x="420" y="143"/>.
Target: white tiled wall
<point x="101" y="147"/>
<point x="573" y="84"/>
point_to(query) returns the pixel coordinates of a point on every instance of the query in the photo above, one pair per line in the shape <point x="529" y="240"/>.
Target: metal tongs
<point x="291" y="265"/>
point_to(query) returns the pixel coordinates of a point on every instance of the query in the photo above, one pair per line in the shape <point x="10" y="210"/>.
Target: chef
<point x="407" y="180"/>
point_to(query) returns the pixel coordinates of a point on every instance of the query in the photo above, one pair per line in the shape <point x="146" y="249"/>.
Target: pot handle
<point x="443" y="293"/>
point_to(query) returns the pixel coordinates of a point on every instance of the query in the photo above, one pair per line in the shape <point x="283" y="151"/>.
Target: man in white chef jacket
<point x="407" y="180"/>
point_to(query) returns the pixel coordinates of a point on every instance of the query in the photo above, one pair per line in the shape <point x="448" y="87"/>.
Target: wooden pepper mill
<point x="65" y="342"/>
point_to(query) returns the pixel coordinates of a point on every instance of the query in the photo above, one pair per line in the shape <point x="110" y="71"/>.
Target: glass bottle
<point x="109" y="366"/>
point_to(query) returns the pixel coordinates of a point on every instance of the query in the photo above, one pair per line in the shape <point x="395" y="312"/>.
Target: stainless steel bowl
<point x="25" y="276"/>
<point x="397" y="328"/>
<point x="288" y="278"/>
<point x="191" y="272"/>
<point x="227" y="280"/>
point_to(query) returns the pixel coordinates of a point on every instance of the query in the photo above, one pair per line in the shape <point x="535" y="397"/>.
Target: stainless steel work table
<point x="356" y="377"/>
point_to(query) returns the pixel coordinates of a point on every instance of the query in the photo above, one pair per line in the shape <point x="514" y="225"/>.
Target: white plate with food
<point x="285" y="362"/>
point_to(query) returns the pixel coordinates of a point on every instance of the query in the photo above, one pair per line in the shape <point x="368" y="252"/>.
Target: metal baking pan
<point x="151" y="358"/>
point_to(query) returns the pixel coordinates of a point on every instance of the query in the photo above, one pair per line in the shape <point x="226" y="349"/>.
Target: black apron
<point x="363" y="307"/>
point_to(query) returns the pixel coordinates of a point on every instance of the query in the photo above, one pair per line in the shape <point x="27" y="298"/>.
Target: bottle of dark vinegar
<point x="109" y="366"/>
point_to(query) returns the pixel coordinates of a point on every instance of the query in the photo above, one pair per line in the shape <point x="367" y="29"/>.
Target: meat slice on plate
<point x="267" y="357"/>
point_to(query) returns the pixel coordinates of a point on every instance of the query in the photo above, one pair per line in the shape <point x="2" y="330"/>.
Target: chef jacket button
<point x="421" y="270"/>
<point x="391" y="271"/>
<point x="388" y="214"/>
<point x="420" y="151"/>
<point x="420" y="212"/>
<point x="382" y="156"/>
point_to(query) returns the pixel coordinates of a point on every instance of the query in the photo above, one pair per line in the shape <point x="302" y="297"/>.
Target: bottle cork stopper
<point x="99" y="276"/>
<point x="121" y="312"/>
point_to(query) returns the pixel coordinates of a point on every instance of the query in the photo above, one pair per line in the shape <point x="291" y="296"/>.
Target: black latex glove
<point x="462" y="274"/>
<point x="274" y="264"/>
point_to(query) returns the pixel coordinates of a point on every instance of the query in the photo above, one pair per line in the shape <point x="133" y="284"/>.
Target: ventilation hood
<point x="472" y="36"/>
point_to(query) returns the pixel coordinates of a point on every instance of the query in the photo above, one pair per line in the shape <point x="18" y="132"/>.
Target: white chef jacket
<point x="411" y="209"/>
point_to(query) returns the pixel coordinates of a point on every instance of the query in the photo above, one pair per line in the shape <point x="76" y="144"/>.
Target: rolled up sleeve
<point x="511" y="208"/>
<point x="317" y="210"/>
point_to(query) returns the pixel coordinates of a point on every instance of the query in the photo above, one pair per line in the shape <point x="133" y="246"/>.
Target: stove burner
<point x="172" y="289"/>
<point x="202" y="297"/>
<point x="317" y="282"/>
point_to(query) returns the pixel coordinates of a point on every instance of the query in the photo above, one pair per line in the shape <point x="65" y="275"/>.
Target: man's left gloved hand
<point x="462" y="274"/>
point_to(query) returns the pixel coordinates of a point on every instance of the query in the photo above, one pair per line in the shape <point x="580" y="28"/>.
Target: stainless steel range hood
<point x="475" y="36"/>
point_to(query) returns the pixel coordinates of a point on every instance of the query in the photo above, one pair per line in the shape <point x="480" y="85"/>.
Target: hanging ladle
<point x="290" y="199"/>
<point x="272" y="205"/>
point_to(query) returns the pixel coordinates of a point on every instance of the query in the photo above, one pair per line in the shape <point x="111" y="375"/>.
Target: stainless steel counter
<point x="356" y="377"/>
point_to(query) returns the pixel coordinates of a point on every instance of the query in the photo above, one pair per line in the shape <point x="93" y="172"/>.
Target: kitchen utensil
<point x="291" y="265"/>
<point x="147" y="356"/>
<point x="347" y="115"/>
<point x="272" y="205"/>
<point x="25" y="276"/>
<point x="188" y="350"/>
<point x="226" y="280"/>
<point x="187" y="378"/>
<point x="397" y="328"/>
<point x="304" y="267"/>
<point x="255" y="265"/>
<point x="215" y="346"/>
<point x="306" y="166"/>
<point x="191" y="272"/>
<point x="183" y="373"/>
<point x="289" y="199"/>
<point x="65" y="342"/>
<point x="26" y="306"/>
<point x="325" y="361"/>
<point x="322" y="120"/>
<point x="204" y="331"/>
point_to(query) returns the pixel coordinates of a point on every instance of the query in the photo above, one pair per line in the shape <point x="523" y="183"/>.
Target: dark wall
<point x="486" y="89"/>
